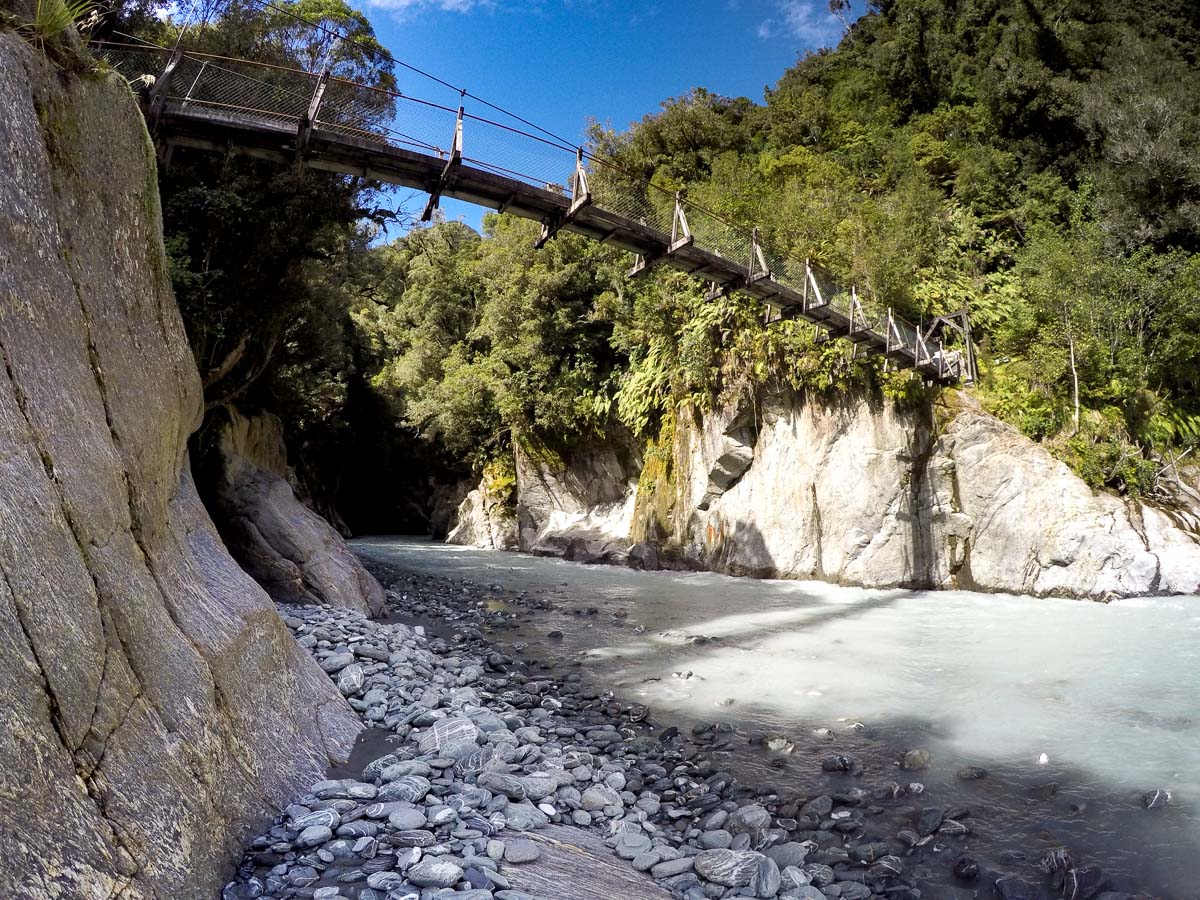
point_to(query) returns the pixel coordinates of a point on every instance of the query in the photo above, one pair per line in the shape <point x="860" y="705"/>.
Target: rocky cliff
<point x="858" y="492"/>
<point x="291" y="551"/>
<point x="155" y="707"/>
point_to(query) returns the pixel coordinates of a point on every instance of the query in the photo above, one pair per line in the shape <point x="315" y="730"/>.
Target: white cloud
<point x="808" y="21"/>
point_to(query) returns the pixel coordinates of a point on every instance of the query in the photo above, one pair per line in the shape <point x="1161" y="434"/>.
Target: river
<point x="1098" y="700"/>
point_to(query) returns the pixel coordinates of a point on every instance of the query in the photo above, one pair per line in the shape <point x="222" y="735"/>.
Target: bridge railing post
<point x="447" y="176"/>
<point x="758" y="268"/>
<point x="304" y="132"/>
<point x="162" y="85"/>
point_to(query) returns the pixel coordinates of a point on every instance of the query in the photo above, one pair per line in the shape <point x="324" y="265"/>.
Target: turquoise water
<point x="1098" y="699"/>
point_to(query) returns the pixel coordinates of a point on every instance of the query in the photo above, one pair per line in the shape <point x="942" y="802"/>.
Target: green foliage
<point x="1037" y="164"/>
<point x="52" y="18"/>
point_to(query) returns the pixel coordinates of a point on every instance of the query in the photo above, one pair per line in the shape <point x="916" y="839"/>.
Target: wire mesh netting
<point x="280" y="97"/>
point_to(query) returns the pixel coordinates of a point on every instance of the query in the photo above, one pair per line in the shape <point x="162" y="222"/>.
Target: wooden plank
<point x="575" y="865"/>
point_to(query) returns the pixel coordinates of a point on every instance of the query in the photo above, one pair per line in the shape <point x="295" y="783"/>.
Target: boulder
<point x="296" y="555"/>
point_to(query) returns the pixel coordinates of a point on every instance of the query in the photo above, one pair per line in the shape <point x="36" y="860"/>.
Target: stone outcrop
<point x="156" y="710"/>
<point x="484" y="520"/>
<point x="858" y="492"/>
<point x="580" y="506"/>
<point x="295" y="554"/>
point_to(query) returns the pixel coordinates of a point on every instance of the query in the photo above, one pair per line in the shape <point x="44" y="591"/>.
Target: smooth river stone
<point x="410" y="789"/>
<point x="599" y="796"/>
<point x="631" y="844"/>
<point x="498" y="783"/>
<point x="446" y="735"/>
<point x="539" y="786"/>
<point x="731" y="868"/>
<point x="407" y="819"/>
<point x="435" y="873"/>
<point x="327" y="817"/>
<point x="314" y="836"/>
<point x="521" y="850"/>
<point x="350" y="680"/>
<point x="336" y="662"/>
<point x="752" y="820"/>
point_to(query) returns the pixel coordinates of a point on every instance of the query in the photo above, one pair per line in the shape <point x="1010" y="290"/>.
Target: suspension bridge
<point x="317" y="121"/>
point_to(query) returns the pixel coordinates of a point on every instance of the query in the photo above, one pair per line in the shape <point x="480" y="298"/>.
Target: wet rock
<point x="1047" y="791"/>
<point x="1159" y="799"/>
<point x="915" y="760"/>
<point x="1010" y="887"/>
<point x="730" y="868"/>
<point x="966" y="869"/>
<point x="953" y="828"/>
<point x="838" y="762"/>
<point x="1056" y="860"/>
<point x="1083" y="883"/>
<point x="929" y="820"/>
<point x="886" y="867"/>
<point x="972" y="773"/>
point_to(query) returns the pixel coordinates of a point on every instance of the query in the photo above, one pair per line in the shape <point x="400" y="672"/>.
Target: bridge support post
<point x="581" y="196"/>
<point x="304" y="132"/>
<point x="681" y="234"/>
<point x="447" y="176"/>
<point x="162" y="85"/>
<point x="758" y="269"/>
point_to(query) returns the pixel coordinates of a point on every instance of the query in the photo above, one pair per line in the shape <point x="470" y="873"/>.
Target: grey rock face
<point x="963" y="508"/>
<point x="291" y="551"/>
<point x="138" y="662"/>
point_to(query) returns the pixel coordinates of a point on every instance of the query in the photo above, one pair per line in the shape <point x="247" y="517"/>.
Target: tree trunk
<point x="1075" y="381"/>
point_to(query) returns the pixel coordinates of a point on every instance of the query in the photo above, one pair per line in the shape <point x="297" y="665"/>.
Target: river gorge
<point x="990" y="681"/>
<point x="702" y="608"/>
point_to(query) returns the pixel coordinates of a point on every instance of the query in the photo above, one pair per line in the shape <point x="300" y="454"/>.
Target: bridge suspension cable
<point x="326" y="123"/>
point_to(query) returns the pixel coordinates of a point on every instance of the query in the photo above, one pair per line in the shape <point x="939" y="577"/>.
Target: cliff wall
<point x="858" y="492"/>
<point x="156" y="710"/>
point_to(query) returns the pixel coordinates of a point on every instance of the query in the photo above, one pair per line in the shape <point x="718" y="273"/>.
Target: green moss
<point x="538" y="450"/>
<point x="60" y="132"/>
<point x="655" y="506"/>
<point x="500" y="479"/>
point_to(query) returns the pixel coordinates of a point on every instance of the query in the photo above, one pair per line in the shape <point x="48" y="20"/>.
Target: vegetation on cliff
<point x="1035" y="162"/>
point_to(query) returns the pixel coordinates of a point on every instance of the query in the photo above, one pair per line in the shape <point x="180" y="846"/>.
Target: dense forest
<point x="1035" y="161"/>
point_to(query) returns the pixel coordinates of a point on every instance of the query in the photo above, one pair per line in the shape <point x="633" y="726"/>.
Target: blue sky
<point x="559" y="62"/>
